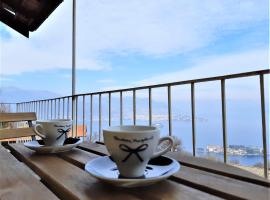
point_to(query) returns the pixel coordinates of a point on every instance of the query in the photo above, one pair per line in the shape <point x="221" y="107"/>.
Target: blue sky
<point x="130" y="43"/>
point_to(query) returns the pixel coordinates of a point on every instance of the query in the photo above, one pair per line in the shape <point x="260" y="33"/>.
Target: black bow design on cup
<point x="131" y="151"/>
<point x="62" y="131"/>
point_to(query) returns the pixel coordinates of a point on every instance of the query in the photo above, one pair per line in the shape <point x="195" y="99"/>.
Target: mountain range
<point x="15" y="94"/>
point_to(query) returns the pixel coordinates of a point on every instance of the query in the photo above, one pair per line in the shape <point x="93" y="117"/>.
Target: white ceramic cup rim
<point x="138" y="129"/>
<point x="53" y="121"/>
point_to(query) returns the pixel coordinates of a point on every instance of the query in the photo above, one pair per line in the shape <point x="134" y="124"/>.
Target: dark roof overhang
<point x="26" y="16"/>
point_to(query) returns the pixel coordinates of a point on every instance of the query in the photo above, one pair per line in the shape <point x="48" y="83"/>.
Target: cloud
<point x="48" y="48"/>
<point x="162" y="27"/>
<point x="24" y="56"/>
<point x="153" y="28"/>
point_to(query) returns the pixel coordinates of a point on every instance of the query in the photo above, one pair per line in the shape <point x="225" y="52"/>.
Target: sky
<point x="131" y="43"/>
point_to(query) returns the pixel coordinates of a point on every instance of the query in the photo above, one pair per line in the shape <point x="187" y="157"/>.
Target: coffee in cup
<point x="131" y="147"/>
<point x="53" y="132"/>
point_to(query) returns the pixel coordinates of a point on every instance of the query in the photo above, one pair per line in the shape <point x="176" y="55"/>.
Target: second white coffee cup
<point x="53" y="132"/>
<point x="132" y="147"/>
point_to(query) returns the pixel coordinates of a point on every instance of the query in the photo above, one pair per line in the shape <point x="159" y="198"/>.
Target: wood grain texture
<point x="17" y="117"/>
<point x="78" y="157"/>
<point x="16" y="133"/>
<point x="70" y="182"/>
<point x="222" y="186"/>
<point x="94" y="148"/>
<point x="16" y="182"/>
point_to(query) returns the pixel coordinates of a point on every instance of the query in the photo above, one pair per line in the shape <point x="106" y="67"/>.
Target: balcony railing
<point x="66" y="106"/>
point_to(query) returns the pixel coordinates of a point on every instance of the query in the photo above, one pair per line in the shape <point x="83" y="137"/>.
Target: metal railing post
<point x="63" y="116"/>
<point x="193" y="119"/>
<point x="51" y="109"/>
<point x="45" y="109"/>
<point x="58" y="116"/>
<point x="110" y="108"/>
<point x="41" y="109"/>
<point x="39" y="112"/>
<point x="91" y="117"/>
<point x="150" y="106"/>
<point x="263" y="126"/>
<point x="121" y="108"/>
<point x="55" y="109"/>
<point x="134" y="107"/>
<point x="83" y="116"/>
<point x="76" y="115"/>
<point x="73" y="114"/>
<point x="169" y="110"/>
<point x="224" y="123"/>
<point x="99" y="117"/>
<point x="68" y="108"/>
<point x="48" y="109"/>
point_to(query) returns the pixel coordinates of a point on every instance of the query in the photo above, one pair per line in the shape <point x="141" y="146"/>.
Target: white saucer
<point x="104" y="169"/>
<point x="39" y="147"/>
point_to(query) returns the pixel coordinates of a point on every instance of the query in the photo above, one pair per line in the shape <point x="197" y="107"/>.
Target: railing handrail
<point x="45" y="106"/>
<point x="213" y="78"/>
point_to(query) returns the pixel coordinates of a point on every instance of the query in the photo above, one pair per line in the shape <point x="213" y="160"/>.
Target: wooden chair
<point x="7" y="134"/>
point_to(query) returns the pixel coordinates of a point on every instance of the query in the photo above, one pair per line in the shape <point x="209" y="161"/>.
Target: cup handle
<point x="37" y="132"/>
<point x="165" y="150"/>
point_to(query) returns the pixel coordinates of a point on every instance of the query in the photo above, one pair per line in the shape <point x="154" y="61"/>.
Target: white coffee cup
<point x="53" y="132"/>
<point x="131" y="147"/>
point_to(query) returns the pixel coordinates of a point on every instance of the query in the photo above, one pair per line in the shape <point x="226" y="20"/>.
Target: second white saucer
<point x="39" y="147"/>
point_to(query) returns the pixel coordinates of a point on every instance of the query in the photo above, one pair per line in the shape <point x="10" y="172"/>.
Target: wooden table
<point x="62" y="176"/>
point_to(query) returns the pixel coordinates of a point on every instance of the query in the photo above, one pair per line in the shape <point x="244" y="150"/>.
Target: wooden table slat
<point x="219" y="168"/>
<point x="69" y="181"/>
<point x="16" y="182"/>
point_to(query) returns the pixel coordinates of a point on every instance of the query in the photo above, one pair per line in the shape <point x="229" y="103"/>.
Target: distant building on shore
<point x="235" y="150"/>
